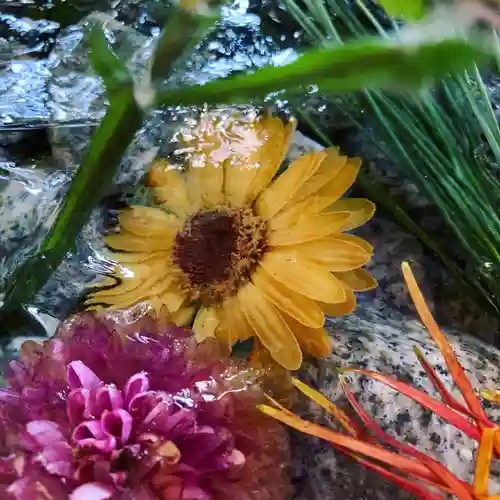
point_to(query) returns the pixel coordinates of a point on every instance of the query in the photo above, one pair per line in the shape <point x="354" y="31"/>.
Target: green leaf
<point x="105" y="62"/>
<point x="407" y="9"/>
<point x="351" y="67"/>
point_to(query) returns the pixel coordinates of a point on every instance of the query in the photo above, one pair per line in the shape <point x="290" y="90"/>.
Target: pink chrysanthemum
<point x="137" y="412"/>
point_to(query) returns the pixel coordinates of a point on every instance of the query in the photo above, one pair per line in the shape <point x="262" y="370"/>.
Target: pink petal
<point x="57" y="459"/>
<point x="91" y="434"/>
<point x="79" y="375"/>
<point x="117" y="423"/>
<point x="106" y="398"/>
<point x="145" y="405"/>
<point x="17" y="375"/>
<point x="136" y="384"/>
<point x="44" y="432"/>
<point x="194" y="493"/>
<point x="78" y="406"/>
<point x="92" y="491"/>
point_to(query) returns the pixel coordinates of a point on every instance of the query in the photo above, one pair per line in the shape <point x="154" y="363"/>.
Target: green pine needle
<point x="446" y="140"/>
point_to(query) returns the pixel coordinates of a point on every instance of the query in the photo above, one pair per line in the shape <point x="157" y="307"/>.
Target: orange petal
<point x="270" y="327"/>
<point x="303" y="276"/>
<point x="283" y="189"/>
<point x="314" y="341"/>
<point x="170" y="188"/>
<point x="307" y="229"/>
<point x="336" y="253"/>
<point x="454" y="366"/>
<point x="361" y="211"/>
<point x="406" y="465"/>
<point x="358" y="280"/>
<point x="298" y="306"/>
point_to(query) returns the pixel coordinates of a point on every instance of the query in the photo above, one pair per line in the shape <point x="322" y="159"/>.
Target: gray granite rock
<point x="372" y="340"/>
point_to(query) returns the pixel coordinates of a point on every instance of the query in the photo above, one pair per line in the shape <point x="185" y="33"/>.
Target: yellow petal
<point x="235" y="321"/>
<point x="205" y="323"/>
<point x="273" y="153"/>
<point x="133" y="276"/>
<point x="361" y="211"/>
<point x="141" y="287"/>
<point x="283" y="189"/>
<point x="270" y="327"/>
<point x="205" y="172"/>
<point x="315" y="341"/>
<point x="184" y="316"/>
<point x="355" y="240"/>
<point x="342" y="308"/>
<point x="136" y="257"/>
<point x="149" y="222"/>
<point x="300" y="307"/>
<point x="329" y="168"/>
<point x="307" y="229"/>
<point x="333" y="190"/>
<point x="326" y="196"/>
<point x="303" y="276"/>
<point x="335" y="252"/>
<point x="358" y="280"/>
<point x="132" y="243"/>
<point x="172" y="299"/>
<point x="170" y="188"/>
<point x="255" y="151"/>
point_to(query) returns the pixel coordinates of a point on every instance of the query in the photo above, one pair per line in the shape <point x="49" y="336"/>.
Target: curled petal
<point x="117" y="423"/>
<point x="145" y="403"/>
<point x="91" y="434"/>
<point x="106" y="398"/>
<point x="78" y="406"/>
<point x="136" y="384"/>
<point x="79" y="375"/>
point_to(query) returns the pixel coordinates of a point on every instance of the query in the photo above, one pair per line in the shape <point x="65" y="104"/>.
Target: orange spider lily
<point x="408" y="467"/>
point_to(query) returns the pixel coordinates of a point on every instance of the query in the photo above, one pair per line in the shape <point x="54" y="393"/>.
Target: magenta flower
<point x="133" y="411"/>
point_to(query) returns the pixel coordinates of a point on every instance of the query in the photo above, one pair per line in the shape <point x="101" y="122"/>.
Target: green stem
<point x="109" y="144"/>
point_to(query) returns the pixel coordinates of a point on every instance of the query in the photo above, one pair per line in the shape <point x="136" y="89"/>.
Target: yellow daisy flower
<point x="237" y="248"/>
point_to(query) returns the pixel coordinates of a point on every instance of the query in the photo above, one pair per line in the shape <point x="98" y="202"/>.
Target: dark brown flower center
<point x="218" y="250"/>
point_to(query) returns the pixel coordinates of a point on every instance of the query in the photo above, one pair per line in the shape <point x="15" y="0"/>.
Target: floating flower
<point x="133" y="412"/>
<point x="402" y="463"/>
<point x="241" y="248"/>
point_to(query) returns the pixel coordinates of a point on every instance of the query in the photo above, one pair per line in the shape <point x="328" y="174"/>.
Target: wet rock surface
<point x="372" y="340"/>
<point x="51" y="100"/>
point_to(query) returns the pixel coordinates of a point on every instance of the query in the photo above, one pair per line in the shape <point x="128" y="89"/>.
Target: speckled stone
<point x="370" y="339"/>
